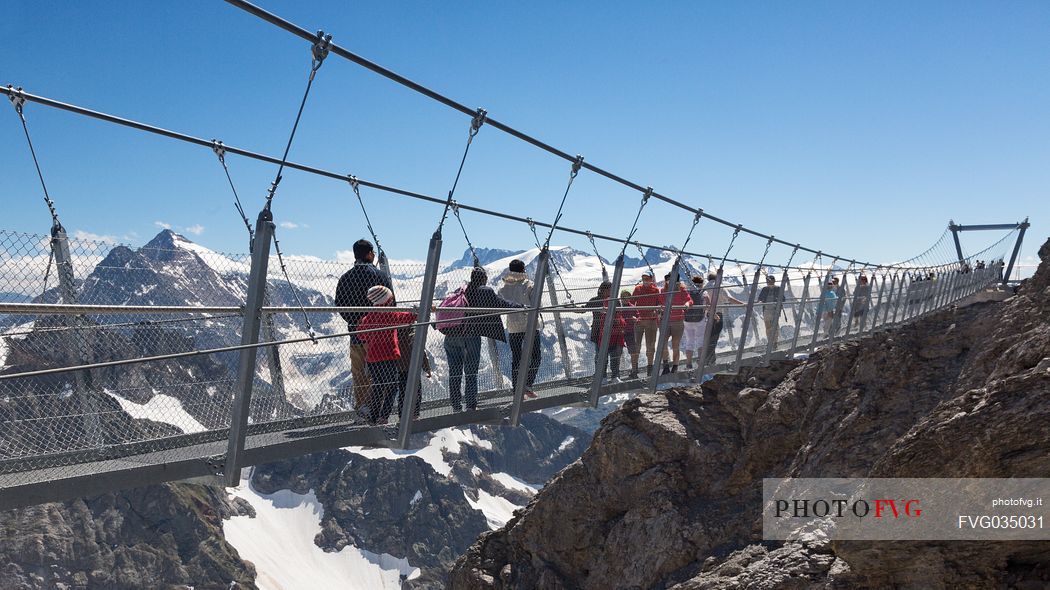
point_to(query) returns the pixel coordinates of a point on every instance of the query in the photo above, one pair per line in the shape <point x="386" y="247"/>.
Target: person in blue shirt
<point x="827" y="306"/>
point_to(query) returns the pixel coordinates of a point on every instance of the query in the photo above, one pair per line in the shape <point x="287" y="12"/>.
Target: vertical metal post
<point x="888" y="302"/>
<point x="419" y="340"/>
<point x="1017" y="248"/>
<point x="847" y="295"/>
<point x="955" y="236"/>
<point x="78" y="348"/>
<point x="903" y="296"/>
<point x="819" y="311"/>
<point x="870" y="310"/>
<point x="665" y="322"/>
<point x="748" y="315"/>
<point x="778" y="308"/>
<point x="529" y="338"/>
<point x="852" y="296"/>
<point x="253" y="304"/>
<point x="559" y="328"/>
<point x="712" y="309"/>
<point x="607" y="329"/>
<point x="798" y="314"/>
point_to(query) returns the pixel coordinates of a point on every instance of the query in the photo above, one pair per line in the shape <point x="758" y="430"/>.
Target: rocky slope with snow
<point x="668" y="494"/>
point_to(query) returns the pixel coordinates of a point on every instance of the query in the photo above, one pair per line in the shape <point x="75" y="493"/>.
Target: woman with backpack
<point x="463" y="335"/>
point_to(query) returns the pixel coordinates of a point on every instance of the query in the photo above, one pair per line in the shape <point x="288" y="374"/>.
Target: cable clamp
<point x="576" y="165"/>
<point x="320" y="49"/>
<point x="354" y="183"/>
<point x="648" y="193"/>
<point x="17" y="97"/>
<point x="699" y="216"/>
<point x="219" y="149"/>
<point x="479" y="119"/>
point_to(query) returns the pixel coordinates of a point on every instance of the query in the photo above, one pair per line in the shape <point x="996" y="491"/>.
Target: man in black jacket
<point x="352" y="291"/>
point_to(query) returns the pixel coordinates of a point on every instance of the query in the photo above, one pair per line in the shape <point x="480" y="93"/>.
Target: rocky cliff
<point x="668" y="494"/>
<point x="167" y="536"/>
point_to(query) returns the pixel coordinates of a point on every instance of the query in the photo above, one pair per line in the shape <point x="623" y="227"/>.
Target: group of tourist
<point x="381" y="338"/>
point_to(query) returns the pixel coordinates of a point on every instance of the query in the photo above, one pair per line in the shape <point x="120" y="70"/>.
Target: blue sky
<point x="858" y="128"/>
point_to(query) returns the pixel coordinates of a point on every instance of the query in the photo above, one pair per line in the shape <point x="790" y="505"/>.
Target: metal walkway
<point x="124" y="366"/>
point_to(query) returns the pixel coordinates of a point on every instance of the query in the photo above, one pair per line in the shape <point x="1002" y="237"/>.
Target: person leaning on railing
<point x="695" y="321"/>
<point x="676" y="322"/>
<point x="463" y="343"/>
<point x="646" y="294"/>
<point x="769" y="296"/>
<point x="518" y="288"/>
<point x="352" y="291"/>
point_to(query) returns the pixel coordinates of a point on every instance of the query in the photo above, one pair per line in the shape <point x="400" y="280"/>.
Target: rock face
<point x="668" y="494"/>
<point x="166" y="536"/>
<point x="405" y="508"/>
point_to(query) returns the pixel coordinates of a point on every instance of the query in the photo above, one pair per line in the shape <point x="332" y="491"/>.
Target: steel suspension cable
<point x="342" y="176"/>
<point x="293" y="288"/>
<point x="736" y="232"/>
<point x="594" y="247"/>
<point x="475" y="126"/>
<point x="355" y="186"/>
<point x="18" y="99"/>
<point x="572" y="177"/>
<point x="391" y="75"/>
<point x="552" y="263"/>
<point x="319" y="51"/>
<point x="220" y="152"/>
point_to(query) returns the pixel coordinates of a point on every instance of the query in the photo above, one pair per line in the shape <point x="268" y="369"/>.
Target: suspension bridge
<point x="122" y="367"/>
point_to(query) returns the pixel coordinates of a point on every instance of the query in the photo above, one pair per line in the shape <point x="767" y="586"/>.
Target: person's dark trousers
<point x="385" y="382"/>
<point x="464" y="356"/>
<point x="517" y="341"/>
<point x="614" y="361"/>
<point x="712" y="346"/>
<point x="402" y="388"/>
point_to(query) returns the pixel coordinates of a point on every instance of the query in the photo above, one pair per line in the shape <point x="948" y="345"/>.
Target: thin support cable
<point x="18" y="100"/>
<point x="295" y="291"/>
<point x="553" y="265"/>
<point x="736" y="232"/>
<point x="319" y="52"/>
<point x="576" y="164"/>
<point x="594" y="247"/>
<point x="355" y="185"/>
<point x="220" y="151"/>
<point x="475" y="126"/>
<point x="652" y="273"/>
<point x="696" y="220"/>
<point x="634" y="226"/>
<point x="455" y="211"/>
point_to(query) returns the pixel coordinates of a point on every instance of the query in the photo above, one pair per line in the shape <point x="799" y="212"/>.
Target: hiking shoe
<point x="633" y="375"/>
<point x="667" y="369"/>
<point x="649" y="371"/>
<point x="689" y="366"/>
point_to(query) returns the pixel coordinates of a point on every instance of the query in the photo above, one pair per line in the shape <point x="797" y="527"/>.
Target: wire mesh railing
<point x="65" y="418"/>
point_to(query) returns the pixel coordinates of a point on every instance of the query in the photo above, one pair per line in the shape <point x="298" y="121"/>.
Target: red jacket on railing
<point x="681" y="297"/>
<point x="381" y="345"/>
<point x="647" y="294"/>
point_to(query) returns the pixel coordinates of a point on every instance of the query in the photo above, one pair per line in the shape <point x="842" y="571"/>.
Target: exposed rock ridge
<point x="668" y="493"/>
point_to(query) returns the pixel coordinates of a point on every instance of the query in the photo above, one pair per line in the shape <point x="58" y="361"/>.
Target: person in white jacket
<point x="518" y="288"/>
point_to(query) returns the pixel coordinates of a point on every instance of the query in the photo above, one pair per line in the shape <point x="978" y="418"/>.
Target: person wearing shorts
<point x="676" y="323"/>
<point x="695" y="321"/>
<point x="646" y="294"/>
<point x="630" y="318"/>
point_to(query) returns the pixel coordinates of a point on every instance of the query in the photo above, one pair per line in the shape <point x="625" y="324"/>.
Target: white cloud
<point x="293" y="225"/>
<point x="344" y="255"/>
<point x="194" y="229"/>
<point x="85" y="235"/>
<point x="162" y="224"/>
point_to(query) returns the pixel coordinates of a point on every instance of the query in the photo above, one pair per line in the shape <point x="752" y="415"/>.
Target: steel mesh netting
<point x="46" y="419"/>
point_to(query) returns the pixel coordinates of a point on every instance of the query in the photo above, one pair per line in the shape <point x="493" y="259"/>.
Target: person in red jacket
<point x="646" y="294"/>
<point x="676" y="325"/>
<point x="382" y="352"/>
